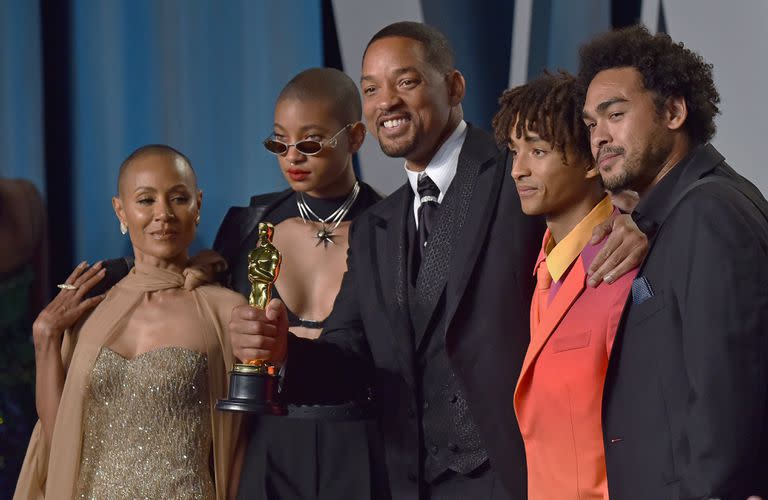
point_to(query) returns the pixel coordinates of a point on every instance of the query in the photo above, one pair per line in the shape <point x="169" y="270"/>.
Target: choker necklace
<point x="329" y="224"/>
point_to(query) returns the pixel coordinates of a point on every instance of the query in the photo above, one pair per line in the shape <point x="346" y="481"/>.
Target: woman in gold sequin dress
<point x="126" y="381"/>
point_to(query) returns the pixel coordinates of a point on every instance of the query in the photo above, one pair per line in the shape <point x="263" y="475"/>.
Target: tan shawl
<point x="54" y="473"/>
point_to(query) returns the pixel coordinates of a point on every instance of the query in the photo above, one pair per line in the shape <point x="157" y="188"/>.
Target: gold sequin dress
<point x="147" y="431"/>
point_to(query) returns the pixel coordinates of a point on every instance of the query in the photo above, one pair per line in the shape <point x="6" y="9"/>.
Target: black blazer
<point x="240" y="222"/>
<point x="685" y="410"/>
<point x="484" y="277"/>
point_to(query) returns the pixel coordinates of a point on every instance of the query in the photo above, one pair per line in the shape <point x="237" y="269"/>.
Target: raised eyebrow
<point x="602" y="107"/>
<point x="610" y="102"/>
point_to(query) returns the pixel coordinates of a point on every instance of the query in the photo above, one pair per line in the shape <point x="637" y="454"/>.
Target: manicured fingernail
<point x="608" y="278"/>
<point x="592" y="282"/>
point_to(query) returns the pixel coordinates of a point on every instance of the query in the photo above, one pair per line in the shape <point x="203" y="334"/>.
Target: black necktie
<point x="428" y="193"/>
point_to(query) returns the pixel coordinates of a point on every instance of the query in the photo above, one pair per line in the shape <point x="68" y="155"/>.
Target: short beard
<point x="398" y="149"/>
<point x="621" y="182"/>
<point x="639" y="171"/>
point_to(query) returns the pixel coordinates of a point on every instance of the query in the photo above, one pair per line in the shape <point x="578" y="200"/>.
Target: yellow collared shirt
<point x="560" y="256"/>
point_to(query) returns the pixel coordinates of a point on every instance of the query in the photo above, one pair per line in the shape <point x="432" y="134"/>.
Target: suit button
<point x="426" y="405"/>
<point x="412" y="477"/>
<point x="411" y="412"/>
<point x="434" y="449"/>
<point x="454" y="398"/>
<point x="453" y="447"/>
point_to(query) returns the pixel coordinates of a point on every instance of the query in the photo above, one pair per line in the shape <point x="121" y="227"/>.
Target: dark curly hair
<point x="550" y="107"/>
<point x="668" y="69"/>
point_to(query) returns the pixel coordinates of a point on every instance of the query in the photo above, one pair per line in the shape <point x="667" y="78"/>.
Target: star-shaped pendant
<point x="325" y="236"/>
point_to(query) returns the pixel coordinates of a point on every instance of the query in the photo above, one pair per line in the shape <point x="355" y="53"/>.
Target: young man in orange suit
<point x="559" y="391"/>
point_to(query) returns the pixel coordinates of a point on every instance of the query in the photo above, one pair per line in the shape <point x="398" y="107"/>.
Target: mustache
<point x="386" y="115"/>
<point x="608" y="150"/>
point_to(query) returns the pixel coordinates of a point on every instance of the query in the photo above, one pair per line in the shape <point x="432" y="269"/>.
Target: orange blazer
<point x="559" y="392"/>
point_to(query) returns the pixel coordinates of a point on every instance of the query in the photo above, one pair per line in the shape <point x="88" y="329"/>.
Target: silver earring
<point x="123" y="228"/>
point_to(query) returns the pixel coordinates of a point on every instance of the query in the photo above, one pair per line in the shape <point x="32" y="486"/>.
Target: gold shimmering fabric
<point x="147" y="431"/>
<point x="51" y="468"/>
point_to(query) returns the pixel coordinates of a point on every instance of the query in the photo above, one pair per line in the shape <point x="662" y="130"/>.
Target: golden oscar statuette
<point x="253" y="384"/>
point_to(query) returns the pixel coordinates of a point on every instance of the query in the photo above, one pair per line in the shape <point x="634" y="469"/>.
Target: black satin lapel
<point x="251" y="220"/>
<point x="389" y="257"/>
<point x="436" y="267"/>
<point x="235" y="228"/>
<point x="253" y="214"/>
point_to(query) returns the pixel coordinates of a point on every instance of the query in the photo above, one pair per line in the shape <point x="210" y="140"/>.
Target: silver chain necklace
<point x="328" y="225"/>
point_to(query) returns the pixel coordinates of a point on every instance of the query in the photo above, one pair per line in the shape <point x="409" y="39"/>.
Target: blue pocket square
<point x="641" y="290"/>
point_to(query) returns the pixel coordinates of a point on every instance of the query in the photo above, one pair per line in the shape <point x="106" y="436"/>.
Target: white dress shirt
<point x="441" y="168"/>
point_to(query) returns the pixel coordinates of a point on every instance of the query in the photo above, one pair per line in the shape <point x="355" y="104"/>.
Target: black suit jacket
<point x="685" y="405"/>
<point x="298" y="458"/>
<point x="483" y="275"/>
<point x="241" y="223"/>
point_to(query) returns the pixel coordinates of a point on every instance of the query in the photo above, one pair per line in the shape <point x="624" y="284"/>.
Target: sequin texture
<point x="147" y="430"/>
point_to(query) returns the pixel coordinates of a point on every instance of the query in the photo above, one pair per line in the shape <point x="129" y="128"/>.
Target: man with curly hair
<point x="557" y="398"/>
<point x="685" y="405"/>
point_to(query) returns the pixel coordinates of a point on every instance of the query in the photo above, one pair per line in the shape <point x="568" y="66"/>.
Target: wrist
<point x="46" y="340"/>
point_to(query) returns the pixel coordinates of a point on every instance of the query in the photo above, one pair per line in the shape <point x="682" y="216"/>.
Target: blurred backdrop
<point x="84" y="82"/>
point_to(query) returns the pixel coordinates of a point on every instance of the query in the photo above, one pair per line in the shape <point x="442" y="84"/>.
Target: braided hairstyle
<point x="550" y="107"/>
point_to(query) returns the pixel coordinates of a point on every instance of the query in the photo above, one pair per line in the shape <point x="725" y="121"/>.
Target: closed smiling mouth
<point x="607" y="156"/>
<point x="525" y="190"/>
<point x="164" y="233"/>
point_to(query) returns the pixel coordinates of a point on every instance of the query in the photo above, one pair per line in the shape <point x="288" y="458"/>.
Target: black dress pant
<point x="299" y="459"/>
<point x="482" y="484"/>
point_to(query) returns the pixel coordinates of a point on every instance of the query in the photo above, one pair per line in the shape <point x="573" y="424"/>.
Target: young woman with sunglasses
<point x="316" y="132"/>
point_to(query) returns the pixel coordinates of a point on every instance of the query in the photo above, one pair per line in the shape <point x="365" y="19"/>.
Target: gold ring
<point x="66" y="286"/>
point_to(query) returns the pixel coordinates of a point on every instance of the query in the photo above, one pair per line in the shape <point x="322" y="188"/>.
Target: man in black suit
<point x="685" y="410"/>
<point x="433" y="310"/>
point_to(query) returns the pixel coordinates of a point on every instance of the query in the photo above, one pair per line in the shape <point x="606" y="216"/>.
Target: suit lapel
<point x="435" y="267"/>
<point x="571" y="290"/>
<point x="462" y="223"/>
<point x="390" y="247"/>
<point x="253" y="214"/>
<point x="471" y="240"/>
